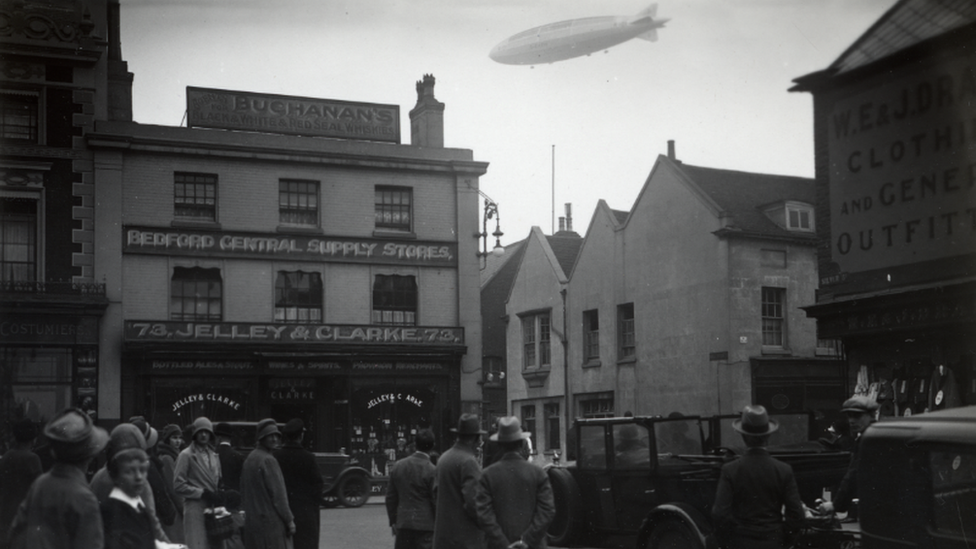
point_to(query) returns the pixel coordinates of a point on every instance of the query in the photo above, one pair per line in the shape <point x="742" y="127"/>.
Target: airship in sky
<point x="576" y="38"/>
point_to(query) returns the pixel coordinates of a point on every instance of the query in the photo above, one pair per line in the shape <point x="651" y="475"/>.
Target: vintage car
<point x="917" y="481"/>
<point x="346" y="483"/>
<point x="652" y="479"/>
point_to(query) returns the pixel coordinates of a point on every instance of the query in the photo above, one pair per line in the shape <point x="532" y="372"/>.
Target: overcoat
<point x="265" y="502"/>
<point x="410" y="502"/>
<point x="231" y="462"/>
<point x="18" y="469"/>
<point x="456" y="522"/>
<point x="60" y="512"/>
<point x="303" y="482"/>
<point x="515" y="503"/>
<point x="197" y="469"/>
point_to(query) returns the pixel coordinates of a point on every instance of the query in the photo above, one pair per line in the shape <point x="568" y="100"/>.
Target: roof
<point x="565" y="248"/>
<point x="621" y="215"/>
<point x="743" y="196"/>
<point x="495" y="264"/>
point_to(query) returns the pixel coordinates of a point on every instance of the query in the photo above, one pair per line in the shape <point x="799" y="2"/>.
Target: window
<point x="596" y="407"/>
<point x="298" y="202"/>
<point x="528" y="419"/>
<point x="799" y="217"/>
<point x="19" y="115"/>
<point x="195" y="196"/>
<point x="195" y="294"/>
<point x="772" y="316"/>
<point x="298" y="297"/>
<point x="536" y="334"/>
<point x="830" y="347"/>
<point x="625" y="330"/>
<point x="395" y="300"/>
<point x="553" y="433"/>
<point x="18" y="240"/>
<point x="591" y="335"/>
<point x="37" y="382"/>
<point x="393" y="208"/>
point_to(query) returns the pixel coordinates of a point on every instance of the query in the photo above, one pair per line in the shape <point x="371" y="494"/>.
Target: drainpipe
<point x="566" y="398"/>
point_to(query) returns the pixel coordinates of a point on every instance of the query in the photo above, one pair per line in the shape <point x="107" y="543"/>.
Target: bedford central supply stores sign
<point x="903" y="169"/>
<point x="290" y="115"/>
<point x="301" y="248"/>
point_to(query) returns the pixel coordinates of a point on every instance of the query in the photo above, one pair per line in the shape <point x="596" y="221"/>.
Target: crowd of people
<point x="175" y="488"/>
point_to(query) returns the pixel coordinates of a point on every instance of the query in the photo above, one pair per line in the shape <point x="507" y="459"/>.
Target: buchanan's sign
<point x="293" y="247"/>
<point x="246" y="332"/>
<point x="291" y="115"/>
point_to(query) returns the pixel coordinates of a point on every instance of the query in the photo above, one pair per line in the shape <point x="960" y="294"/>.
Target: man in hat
<point x="231" y="461"/>
<point x="303" y="482"/>
<point x="456" y="484"/>
<point x="754" y="489"/>
<point x="410" y="503"/>
<point x="861" y="413"/>
<point x="60" y="510"/>
<point x="515" y="502"/>
<point x="19" y="466"/>
<point x="268" y="520"/>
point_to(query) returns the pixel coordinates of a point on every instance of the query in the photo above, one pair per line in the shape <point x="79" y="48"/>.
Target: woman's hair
<point x="114" y="465"/>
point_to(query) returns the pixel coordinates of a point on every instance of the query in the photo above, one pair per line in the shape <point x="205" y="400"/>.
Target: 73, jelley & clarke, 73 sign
<point x="243" y="332"/>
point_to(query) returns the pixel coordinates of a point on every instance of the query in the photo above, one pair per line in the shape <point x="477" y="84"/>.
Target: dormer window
<point x="799" y="217"/>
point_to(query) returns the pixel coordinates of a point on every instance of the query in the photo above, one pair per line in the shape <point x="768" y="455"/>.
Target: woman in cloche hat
<point x="196" y="478"/>
<point x="268" y="520"/>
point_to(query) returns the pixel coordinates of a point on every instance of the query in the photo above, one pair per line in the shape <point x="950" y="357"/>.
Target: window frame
<point x="34" y="243"/>
<point x="553" y="430"/>
<point x="207" y="180"/>
<point x="591" y="336"/>
<point x="290" y="298"/>
<point x="35" y="128"/>
<point x="801" y="210"/>
<point x="411" y="313"/>
<point x="528" y="420"/>
<point x="595" y="406"/>
<point x="773" y="301"/>
<point x="313" y="212"/>
<point x="207" y="275"/>
<point x="536" y="329"/>
<point x="626" y="332"/>
<point x="381" y="207"/>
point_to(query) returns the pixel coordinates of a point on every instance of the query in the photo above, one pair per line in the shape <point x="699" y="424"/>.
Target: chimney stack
<point x="562" y="223"/>
<point x="671" y="149"/>
<point x="427" y="117"/>
<point x="569" y="216"/>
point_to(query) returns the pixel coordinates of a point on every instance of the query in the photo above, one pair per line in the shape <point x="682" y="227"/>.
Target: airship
<point x="576" y="38"/>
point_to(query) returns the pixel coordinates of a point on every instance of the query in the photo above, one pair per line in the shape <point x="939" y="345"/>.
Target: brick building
<point x="61" y="68"/>
<point x="289" y="257"/>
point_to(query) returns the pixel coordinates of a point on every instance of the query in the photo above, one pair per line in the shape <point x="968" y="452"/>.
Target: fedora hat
<point x="293" y="427"/>
<point x="469" y="424"/>
<point x="74" y="438"/>
<point x="267" y="427"/>
<point x="223" y="430"/>
<point x="509" y="430"/>
<point x="755" y="421"/>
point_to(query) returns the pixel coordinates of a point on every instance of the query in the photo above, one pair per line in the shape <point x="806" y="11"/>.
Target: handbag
<point x="220" y="526"/>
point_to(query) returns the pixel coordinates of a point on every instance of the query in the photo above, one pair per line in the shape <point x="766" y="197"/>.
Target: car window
<point x="631" y="448"/>
<point x="677" y="437"/>
<point x="593" y="449"/>
<point x="954" y="492"/>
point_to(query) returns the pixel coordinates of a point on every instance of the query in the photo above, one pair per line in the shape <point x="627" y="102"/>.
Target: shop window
<point x="596" y="407"/>
<point x="196" y="294"/>
<point x="830" y="347"/>
<point x="773" y="319"/>
<point x="195" y="196"/>
<point x="528" y="419"/>
<point x="394" y="208"/>
<point x="18" y="240"/>
<point x="298" y="202"/>
<point x="591" y="335"/>
<point x="298" y="297"/>
<point x="553" y="432"/>
<point x="19" y="115"/>
<point x="626" y="336"/>
<point x="536" y="344"/>
<point x="395" y="300"/>
<point x="37" y="382"/>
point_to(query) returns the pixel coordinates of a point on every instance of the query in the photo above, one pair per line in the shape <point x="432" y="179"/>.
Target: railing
<point x="52" y="287"/>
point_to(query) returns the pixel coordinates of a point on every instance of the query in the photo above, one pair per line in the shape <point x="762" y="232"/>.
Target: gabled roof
<point x="621" y="215"/>
<point x="907" y="23"/>
<point x="498" y="266"/>
<point x="566" y="248"/>
<point x="742" y="196"/>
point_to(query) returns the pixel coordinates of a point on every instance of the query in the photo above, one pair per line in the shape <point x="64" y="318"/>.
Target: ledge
<point x="535" y="378"/>
<point x="294" y="229"/>
<point x="381" y="233"/>
<point x="185" y="223"/>
<point x="628" y="360"/>
<point x="592" y="364"/>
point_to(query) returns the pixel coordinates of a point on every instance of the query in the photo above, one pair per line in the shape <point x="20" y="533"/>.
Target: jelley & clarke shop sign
<point x="244" y="332"/>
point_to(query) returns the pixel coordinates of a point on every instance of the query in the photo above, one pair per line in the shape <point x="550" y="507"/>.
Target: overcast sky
<point x="715" y="82"/>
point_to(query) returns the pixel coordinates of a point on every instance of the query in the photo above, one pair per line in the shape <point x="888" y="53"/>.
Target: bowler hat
<point x="509" y="430"/>
<point x="267" y="427"/>
<point x="223" y="430"/>
<point x="293" y="427"/>
<point x="469" y="424"/>
<point x="74" y="438"/>
<point x="859" y="404"/>
<point x="755" y="421"/>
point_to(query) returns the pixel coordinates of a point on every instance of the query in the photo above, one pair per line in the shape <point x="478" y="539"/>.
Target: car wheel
<point x="329" y="501"/>
<point x="353" y="491"/>
<point x="673" y="534"/>
<point x="566" y="525"/>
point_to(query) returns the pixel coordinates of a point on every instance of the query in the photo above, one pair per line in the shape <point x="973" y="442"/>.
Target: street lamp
<point x="491" y="211"/>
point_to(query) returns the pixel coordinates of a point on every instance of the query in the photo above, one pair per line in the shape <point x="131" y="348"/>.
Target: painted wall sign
<point x="291" y="115"/>
<point x="63" y="329"/>
<point x="201" y="365"/>
<point x="244" y="332"/>
<point x="209" y="397"/>
<point x="395" y="397"/>
<point x="146" y="240"/>
<point x="903" y="169"/>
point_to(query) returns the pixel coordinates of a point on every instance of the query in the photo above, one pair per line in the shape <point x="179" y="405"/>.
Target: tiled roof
<point x="494" y="264"/>
<point x="565" y="248"/>
<point x="907" y="23"/>
<point x="744" y="194"/>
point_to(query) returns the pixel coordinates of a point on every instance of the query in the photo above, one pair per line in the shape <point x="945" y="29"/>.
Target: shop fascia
<point x="240" y="332"/>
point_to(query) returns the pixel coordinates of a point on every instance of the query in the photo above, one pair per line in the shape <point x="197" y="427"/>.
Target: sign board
<point x="291" y="115"/>
<point x="148" y="240"/>
<point x="903" y="169"/>
<point x="284" y="334"/>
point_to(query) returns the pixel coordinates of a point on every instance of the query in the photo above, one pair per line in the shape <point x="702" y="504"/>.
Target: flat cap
<point x="859" y="404"/>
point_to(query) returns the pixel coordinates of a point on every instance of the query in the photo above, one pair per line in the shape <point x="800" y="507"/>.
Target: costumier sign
<point x="291" y="115"/>
<point x="246" y="332"/>
<point x="168" y="241"/>
<point x="903" y="169"/>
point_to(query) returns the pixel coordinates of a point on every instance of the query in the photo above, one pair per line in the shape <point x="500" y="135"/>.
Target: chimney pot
<point x="671" y="149"/>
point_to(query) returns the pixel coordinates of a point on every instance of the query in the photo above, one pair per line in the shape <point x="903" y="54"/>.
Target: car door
<point x="631" y="473"/>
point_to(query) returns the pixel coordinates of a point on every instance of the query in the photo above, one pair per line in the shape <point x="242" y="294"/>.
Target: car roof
<point x="955" y="425"/>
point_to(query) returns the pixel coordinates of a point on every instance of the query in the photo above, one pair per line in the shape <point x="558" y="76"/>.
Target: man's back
<point x="515" y="502"/>
<point x="455" y="524"/>
<point x="410" y="495"/>
<point x="231" y="463"/>
<point x="61" y="513"/>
